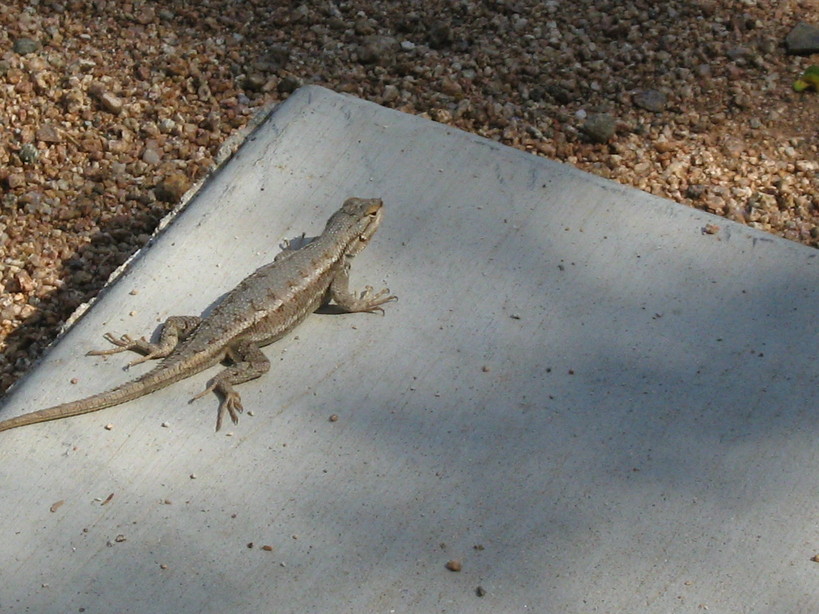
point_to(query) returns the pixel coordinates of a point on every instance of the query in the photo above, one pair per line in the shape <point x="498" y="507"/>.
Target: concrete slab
<point x="582" y="396"/>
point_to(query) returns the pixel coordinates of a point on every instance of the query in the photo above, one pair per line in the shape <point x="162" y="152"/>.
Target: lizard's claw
<point x="149" y="356"/>
<point x="374" y="301"/>
<point x="231" y="401"/>
<point x="124" y="343"/>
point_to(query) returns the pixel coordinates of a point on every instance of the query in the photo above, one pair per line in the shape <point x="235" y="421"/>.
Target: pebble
<point x="25" y="46"/>
<point x="151" y="155"/>
<point x="803" y="39"/>
<point x="28" y="154"/>
<point x="440" y="35"/>
<point x="15" y="180"/>
<point x="110" y="103"/>
<point x="288" y="84"/>
<point x="695" y="191"/>
<point x="48" y="133"/>
<point x="377" y="50"/>
<point x="599" y="127"/>
<point x="390" y="94"/>
<point x="172" y="187"/>
<point x="650" y="100"/>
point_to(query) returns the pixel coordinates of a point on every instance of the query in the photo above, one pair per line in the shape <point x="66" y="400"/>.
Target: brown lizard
<point x="264" y="307"/>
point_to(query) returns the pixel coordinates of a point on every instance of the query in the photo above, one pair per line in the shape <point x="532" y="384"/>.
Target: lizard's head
<point x="356" y="222"/>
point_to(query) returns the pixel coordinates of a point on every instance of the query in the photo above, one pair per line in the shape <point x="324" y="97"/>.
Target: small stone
<point x="171" y="189"/>
<point x="803" y="39"/>
<point x="450" y="87"/>
<point x="377" y="50"/>
<point x="288" y="84"/>
<point x="650" y="100"/>
<point x="300" y="13"/>
<point x="15" y="180"/>
<point x="254" y="82"/>
<point x="390" y="94"/>
<point x="695" y="191"/>
<point x="277" y="56"/>
<point x="666" y="146"/>
<point x="20" y="282"/>
<point x="440" y="35"/>
<point x="363" y="27"/>
<point x="28" y="153"/>
<point x="48" y="133"/>
<point x="166" y="125"/>
<point x="151" y="156"/>
<point x="24" y="46"/>
<point x="454" y="565"/>
<point x="111" y="103"/>
<point x="738" y="53"/>
<point x="599" y="127"/>
<point x="145" y="16"/>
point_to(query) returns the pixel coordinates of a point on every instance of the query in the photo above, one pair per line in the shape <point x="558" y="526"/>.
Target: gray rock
<point x="738" y="53"/>
<point x="172" y="187"/>
<point x="151" y="156"/>
<point x="599" y="127"/>
<point x="110" y="102"/>
<point x="24" y="46"/>
<point x="440" y="35"/>
<point x="803" y="39"/>
<point x="288" y="84"/>
<point x="695" y="191"/>
<point x="377" y="49"/>
<point x="28" y="153"/>
<point x="300" y="13"/>
<point x="48" y="133"/>
<point x="650" y="100"/>
<point x="254" y="82"/>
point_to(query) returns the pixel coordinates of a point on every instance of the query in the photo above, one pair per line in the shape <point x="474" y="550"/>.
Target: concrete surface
<point x="588" y="401"/>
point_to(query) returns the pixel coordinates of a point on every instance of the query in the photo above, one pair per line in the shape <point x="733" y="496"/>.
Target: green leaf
<point x="808" y="79"/>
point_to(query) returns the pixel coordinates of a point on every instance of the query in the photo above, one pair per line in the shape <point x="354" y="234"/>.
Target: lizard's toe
<point x="231" y="403"/>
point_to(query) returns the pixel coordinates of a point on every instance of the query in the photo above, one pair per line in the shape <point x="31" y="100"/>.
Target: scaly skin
<point x="261" y="309"/>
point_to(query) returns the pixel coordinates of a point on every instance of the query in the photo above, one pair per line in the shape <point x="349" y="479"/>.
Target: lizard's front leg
<point x="174" y="330"/>
<point x="367" y="300"/>
<point x="249" y="362"/>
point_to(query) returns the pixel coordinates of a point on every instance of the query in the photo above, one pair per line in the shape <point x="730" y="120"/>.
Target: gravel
<point x="110" y="110"/>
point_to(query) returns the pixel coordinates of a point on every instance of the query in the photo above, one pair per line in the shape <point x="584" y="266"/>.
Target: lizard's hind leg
<point x="247" y="362"/>
<point x="174" y="330"/>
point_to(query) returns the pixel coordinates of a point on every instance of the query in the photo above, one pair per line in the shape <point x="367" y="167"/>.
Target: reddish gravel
<point x="110" y="110"/>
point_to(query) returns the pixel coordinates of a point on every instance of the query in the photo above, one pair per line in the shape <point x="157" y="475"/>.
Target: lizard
<point x="264" y="307"/>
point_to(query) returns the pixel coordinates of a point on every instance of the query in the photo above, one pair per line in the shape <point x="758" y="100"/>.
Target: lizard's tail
<point x="160" y="377"/>
<point x="115" y="396"/>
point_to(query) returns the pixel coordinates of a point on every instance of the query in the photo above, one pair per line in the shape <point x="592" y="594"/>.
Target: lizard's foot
<point x="371" y="302"/>
<point x="125" y="343"/>
<point x="231" y="401"/>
